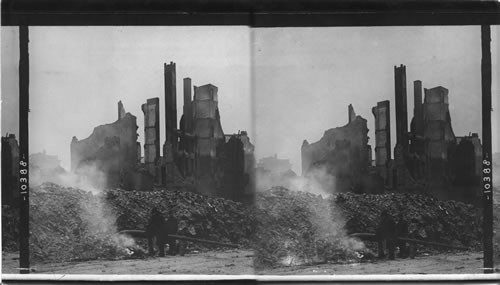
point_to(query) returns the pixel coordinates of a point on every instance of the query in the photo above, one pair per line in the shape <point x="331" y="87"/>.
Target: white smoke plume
<point x="318" y="181"/>
<point x="327" y="222"/>
<point x="87" y="177"/>
<point x="93" y="220"/>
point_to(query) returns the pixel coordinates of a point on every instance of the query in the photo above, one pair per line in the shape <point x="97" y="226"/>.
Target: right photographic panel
<point x="369" y="149"/>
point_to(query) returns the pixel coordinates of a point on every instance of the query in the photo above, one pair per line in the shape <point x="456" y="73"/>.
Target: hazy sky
<point x="306" y="77"/>
<point x="78" y="75"/>
<point x="299" y="79"/>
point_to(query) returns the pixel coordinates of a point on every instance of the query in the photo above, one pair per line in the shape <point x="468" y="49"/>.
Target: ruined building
<point x="237" y="162"/>
<point x="151" y="110"/>
<point x="169" y="170"/>
<point x="382" y="113"/>
<point x="10" y="170"/>
<point x="274" y="164"/>
<point x="110" y="149"/>
<point x="209" y="136"/>
<point x="428" y="158"/>
<point x="342" y="152"/>
<point x="196" y="154"/>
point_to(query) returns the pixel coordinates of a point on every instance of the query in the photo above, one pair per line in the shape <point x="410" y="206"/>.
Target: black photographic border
<point x="261" y="13"/>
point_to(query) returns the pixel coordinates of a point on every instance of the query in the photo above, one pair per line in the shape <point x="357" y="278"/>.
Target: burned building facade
<point x="382" y="114"/>
<point x="195" y="156"/>
<point x="110" y="149"/>
<point x="151" y="110"/>
<point x="428" y="158"/>
<point x="342" y="152"/>
<point x="10" y="170"/>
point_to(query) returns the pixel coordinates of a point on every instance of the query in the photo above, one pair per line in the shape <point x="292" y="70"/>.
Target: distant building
<point x="274" y="165"/>
<point x="45" y="168"/>
<point x="42" y="160"/>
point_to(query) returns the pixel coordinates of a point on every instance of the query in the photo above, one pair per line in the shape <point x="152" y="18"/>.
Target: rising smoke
<point x="317" y="224"/>
<point x="317" y="181"/>
<point x="86" y="216"/>
<point x="88" y="177"/>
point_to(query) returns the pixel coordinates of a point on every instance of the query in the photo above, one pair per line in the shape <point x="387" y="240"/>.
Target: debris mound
<point x="199" y="216"/>
<point x="68" y="224"/>
<point x="299" y="228"/>
<point x="449" y="222"/>
<point x="10" y="228"/>
<point x="72" y="224"/>
<point x="296" y="228"/>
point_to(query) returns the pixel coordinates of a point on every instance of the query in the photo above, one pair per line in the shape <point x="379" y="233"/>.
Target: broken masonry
<point x="427" y="158"/>
<point x="196" y="154"/>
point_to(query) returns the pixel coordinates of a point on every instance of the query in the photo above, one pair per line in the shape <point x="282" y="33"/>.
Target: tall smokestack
<point x="170" y="105"/>
<point x="418" y="108"/>
<point x="187" y="109"/>
<point x="401" y="107"/>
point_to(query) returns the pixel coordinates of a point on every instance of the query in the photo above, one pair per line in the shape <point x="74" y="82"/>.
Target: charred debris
<point x="197" y="154"/>
<point x="428" y="158"/>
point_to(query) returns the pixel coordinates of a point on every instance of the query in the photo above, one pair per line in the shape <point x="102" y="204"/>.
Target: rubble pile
<point x="449" y="222"/>
<point x="199" y="216"/>
<point x="295" y="228"/>
<point x="10" y="228"/>
<point x="72" y="224"/>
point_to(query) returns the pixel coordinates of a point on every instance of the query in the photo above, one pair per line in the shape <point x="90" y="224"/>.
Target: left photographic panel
<point x="140" y="150"/>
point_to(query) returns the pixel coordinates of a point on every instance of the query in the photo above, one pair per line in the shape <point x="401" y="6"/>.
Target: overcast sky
<point x="299" y="79"/>
<point x="306" y="77"/>
<point x="78" y="75"/>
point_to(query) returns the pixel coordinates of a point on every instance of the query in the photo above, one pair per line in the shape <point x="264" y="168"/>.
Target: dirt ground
<point x="456" y="263"/>
<point x="234" y="262"/>
<point x="230" y="262"/>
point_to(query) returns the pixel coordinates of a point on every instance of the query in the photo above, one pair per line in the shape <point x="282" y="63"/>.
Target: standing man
<point x="156" y="229"/>
<point x="171" y="227"/>
<point x="413" y="233"/>
<point x="402" y="231"/>
<point x="386" y="234"/>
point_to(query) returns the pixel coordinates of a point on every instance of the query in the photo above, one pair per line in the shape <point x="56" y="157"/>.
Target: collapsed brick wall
<point x="342" y="152"/>
<point x="111" y="149"/>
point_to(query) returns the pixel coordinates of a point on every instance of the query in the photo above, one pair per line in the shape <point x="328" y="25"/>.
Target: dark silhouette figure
<point x="156" y="229"/>
<point x="413" y="233"/>
<point x="386" y="234"/>
<point x="171" y="227"/>
<point x="402" y="231"/>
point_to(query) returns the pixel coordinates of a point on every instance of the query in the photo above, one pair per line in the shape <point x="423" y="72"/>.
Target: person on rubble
<point x="171" y="228"/>
<point x="156" y="230"/>
<point x="413" y="234"/>
<point x="402" y="231"/>
<point x="386" y="235"/>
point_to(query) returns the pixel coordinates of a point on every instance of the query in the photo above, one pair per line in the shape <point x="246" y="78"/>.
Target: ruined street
<point x="229" y="262"/>
<point x="457" y="263"/>
<point x="235" y="262"/>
